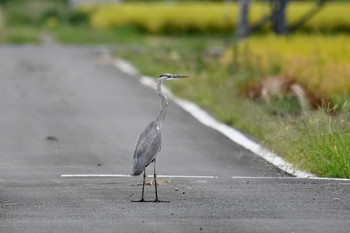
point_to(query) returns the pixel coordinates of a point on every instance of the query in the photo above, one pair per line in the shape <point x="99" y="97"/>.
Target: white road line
<point x="287" y="178"/>
<point x="125" y="67"/>
<point x="123" y="176"/>
<point x="200" y="177"/>
<point x="92" y="175"/>
<point x="190" y="177"/>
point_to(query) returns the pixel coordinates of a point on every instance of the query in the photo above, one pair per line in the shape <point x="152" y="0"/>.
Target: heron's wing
<point x="147" y="146"/>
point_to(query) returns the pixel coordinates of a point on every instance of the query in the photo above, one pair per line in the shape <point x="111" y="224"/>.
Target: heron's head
<point x="167" y="76"/>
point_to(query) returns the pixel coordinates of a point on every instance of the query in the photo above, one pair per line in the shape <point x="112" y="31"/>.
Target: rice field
<point x="160" y="18"/>
<point x="321" y="62"/>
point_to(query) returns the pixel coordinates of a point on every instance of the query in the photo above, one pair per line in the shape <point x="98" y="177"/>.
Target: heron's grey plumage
<point x="147" y="146"/>
<point x="149" y="143"/>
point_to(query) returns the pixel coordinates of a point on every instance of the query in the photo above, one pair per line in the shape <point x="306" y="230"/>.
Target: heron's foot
<point x="155" y="201"/>
<point x="142" y="200"/>
<point x="159" y="201"/>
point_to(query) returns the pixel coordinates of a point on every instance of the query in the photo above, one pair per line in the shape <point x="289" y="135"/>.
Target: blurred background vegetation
<point x="290" y="92"/>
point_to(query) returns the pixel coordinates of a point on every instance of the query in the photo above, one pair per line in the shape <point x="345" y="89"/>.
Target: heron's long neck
<point x="164" y="103"/>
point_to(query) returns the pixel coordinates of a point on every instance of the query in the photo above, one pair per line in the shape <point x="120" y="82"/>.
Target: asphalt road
<point x="65" y="110"/>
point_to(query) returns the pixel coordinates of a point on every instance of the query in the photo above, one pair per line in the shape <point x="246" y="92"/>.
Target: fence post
<point x="243" y="16"/>
<point x="279" y="17"/>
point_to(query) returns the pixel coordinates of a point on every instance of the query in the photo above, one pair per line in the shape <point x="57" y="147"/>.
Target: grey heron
<point x="149" y="143"/>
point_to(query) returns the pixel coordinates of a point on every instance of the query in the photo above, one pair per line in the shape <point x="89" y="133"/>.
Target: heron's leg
<point x="155" y="184"/>
<point x="155" y="180"/>
<point x="143" y="187"/>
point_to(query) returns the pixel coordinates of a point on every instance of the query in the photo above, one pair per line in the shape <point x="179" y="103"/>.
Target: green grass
<point x="19" y="35"/>
<point x="85" y="35"/>
<point x="23" y="21"/>
<point x="329" y="148"/>
<point x="316" y="142"/>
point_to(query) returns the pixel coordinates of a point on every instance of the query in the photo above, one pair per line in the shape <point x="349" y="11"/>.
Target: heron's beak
<point x="177" y="76"/>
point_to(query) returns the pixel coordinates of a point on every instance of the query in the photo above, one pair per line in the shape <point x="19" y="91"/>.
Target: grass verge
<point x="85" y="35"/>
<point x="19" y="35"/>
